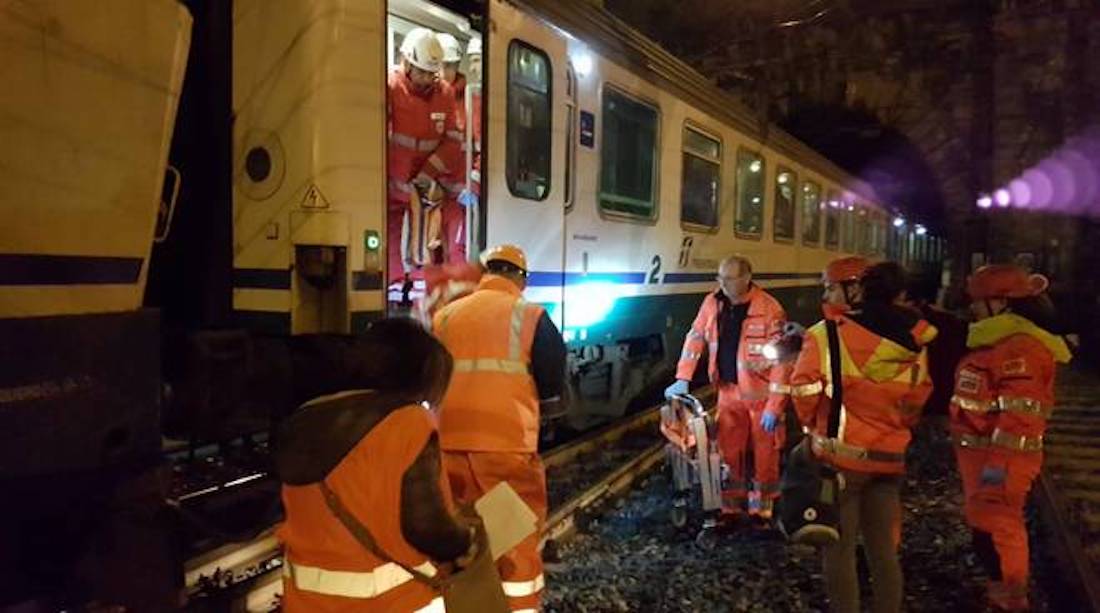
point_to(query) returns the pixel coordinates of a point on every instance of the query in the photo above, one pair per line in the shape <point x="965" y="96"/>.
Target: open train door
<point x="414" y="238"/>
<point x="528" y="110"/>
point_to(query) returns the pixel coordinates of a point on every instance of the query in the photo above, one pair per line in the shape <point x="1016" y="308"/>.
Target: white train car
<point x="623" y="173"/>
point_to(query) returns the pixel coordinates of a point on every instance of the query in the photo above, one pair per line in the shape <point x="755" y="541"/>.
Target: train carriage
<point x="623" y="173"/>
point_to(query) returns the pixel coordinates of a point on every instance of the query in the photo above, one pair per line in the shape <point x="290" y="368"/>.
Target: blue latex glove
<point x="768" y="421"/>
<point x="993" y="475"/>
<point x="467" y="198"/>
<point x="678" y="388"/>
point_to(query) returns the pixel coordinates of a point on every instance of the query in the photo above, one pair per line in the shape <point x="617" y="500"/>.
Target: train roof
<point x="612" y="38"/>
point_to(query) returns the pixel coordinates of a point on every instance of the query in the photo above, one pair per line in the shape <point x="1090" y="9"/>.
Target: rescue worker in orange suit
<point x="375" y="447"/>
<point x="424" y="144"/>
<point x="509" y="367"/>
<point x="1004" y="393"/>
<point x="735" y="324"/>
<point x="884" y="383"/>
<point x="459" y="196"/>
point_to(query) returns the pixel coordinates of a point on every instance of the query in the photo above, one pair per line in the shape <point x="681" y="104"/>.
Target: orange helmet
<point x="846" y="269"/>
<point x="1004" y="281"/>
<point x="505" y="253"/>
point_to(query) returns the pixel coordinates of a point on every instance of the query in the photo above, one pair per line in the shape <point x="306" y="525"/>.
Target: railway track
<point x="1068" y="489"/>
<point x="581" y="475"/>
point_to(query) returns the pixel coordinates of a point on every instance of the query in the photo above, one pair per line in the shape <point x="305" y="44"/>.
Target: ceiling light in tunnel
<point x="899" y="222"/>
<point x="921" y="230"/>
<point x="1002" y="197"/>
<point x="985" y="201"/>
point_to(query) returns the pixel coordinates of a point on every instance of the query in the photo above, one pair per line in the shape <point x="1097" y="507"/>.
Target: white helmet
<point x="474" y="48"/>
<point x="422" y="49"/>
<point x="452" y="49"/>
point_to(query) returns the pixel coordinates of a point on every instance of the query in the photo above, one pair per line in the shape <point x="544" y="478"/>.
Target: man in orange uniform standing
<point x="876" y="350"/>
<point x="1004" y="393"/>
<point x="509" y="364"/>
<point x="735" y="324"/>
<point x="424" y="144"/>
<point x="459" y="196"/>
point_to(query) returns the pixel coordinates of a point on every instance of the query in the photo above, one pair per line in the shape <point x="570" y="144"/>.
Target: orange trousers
<point x="999" y="510"/>
<point x="471" y="475"/>
<point x="739" y="429"/>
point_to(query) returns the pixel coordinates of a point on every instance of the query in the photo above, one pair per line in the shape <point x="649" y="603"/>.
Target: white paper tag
<point x="508" y="520"/>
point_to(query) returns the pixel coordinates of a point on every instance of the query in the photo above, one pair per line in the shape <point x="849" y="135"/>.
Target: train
<point x="190" y="186"/>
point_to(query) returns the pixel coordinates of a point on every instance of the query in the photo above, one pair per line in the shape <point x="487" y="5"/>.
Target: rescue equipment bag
<point x="810" y="489"/>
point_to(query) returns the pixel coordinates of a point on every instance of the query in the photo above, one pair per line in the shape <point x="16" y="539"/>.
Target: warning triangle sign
<point x="314" y="199"/>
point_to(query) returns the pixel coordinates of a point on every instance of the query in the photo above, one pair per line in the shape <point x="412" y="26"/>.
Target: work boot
<point x="1007" y="596"/>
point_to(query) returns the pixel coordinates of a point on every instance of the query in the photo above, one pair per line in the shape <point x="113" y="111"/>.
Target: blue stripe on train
<point x="41" y="269"/>
<point x="541" y="278"/>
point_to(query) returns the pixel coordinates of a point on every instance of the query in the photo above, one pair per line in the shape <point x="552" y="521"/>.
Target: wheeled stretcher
<point x="693" y="457"/>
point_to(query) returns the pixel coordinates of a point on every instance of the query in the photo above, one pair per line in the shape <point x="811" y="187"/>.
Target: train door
<point x="432" y="217"/>
<point x="527" y="178"/>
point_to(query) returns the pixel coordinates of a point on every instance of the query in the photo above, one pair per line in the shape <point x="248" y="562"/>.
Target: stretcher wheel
<point x="707" y="539"/>
<point x="678" y="516"/>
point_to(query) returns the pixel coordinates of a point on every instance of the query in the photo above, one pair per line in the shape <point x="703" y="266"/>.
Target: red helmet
<point x="846" y="269"/>
<point x="1004" y="281"/>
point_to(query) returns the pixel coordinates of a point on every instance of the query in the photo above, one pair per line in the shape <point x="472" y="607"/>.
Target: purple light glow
<point x="1020" y="191"/>
<point x="1067" y="181"/>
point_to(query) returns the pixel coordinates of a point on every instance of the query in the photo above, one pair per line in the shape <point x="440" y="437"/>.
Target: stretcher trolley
<point x="693" y="458"/>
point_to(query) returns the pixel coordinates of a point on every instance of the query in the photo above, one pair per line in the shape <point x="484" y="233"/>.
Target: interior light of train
<point x="985" y="201"/>
<point x="755" y="166"/>
<point x="582" y="63"/>
<point x="899" y="222"/>
<point x="784" y="178"/>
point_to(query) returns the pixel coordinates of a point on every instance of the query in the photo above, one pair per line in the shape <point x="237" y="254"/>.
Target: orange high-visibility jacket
<point x="1004" y="388"/>
<point x="423" y="135"/>
<point x="492" y="403"/>
<point x="755" y="374"/>
<point x="326" y="568"/>
<point x="455" y="181"/>
<point x="884" y="387"/>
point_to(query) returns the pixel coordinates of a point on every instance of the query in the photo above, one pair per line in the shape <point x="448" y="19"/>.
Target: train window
<point x="811" y="213"/>
<point x="700" y="180"/>
<point x="783" y="218"/>
<point x="863" y="231"/>
<point x="832" y="221"/>
<point x="527" y="150"/>
<point x="749" y="220"/>
<point x="628" y="156"/>
<point x="848" y="231"/>
<point x="570" y="134"/>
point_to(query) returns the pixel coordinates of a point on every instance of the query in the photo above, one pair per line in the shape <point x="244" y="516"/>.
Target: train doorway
<point x="434" y="145"/>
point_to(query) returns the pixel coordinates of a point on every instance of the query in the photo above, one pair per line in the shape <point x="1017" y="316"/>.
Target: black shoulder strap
<point x="363" y="535"/>
<point x="837" y="399"/>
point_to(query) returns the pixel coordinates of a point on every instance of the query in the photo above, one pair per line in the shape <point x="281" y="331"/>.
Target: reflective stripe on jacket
<point x="755" y="374"/>
<point x="884" y="387"/>
<point x="326" y="568"/>
<point x="492" y="403"/>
